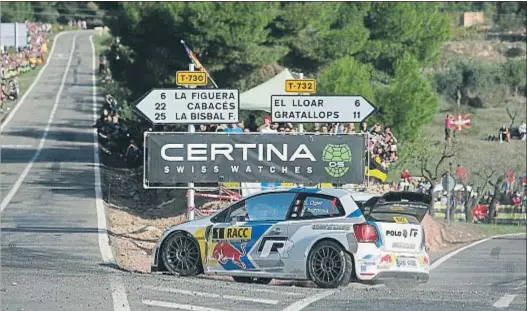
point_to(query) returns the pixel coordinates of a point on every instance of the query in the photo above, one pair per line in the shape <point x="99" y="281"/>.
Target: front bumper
<point x="393" y="266"/>
<point x="156" y="265"/>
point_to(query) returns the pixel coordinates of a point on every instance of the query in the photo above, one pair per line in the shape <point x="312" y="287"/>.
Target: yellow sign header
<point x="301" y="86"/>
<point x="185" y="78"/>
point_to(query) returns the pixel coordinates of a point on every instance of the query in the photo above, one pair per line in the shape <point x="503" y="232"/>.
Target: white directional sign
<point x="323" y="109"/>
<point x="190" y="106"/>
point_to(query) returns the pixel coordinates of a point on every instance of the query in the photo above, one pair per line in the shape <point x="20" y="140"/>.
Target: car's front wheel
<point x="180" y="254"/>
<point x="246" y="279"/>
<point x="329" y="265"/>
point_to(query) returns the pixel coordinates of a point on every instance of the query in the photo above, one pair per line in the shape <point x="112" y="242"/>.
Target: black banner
<point x="173" y="158"/>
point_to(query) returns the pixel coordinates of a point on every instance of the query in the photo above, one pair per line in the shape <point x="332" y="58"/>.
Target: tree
<point x="346" y="76"/>
<point x="430" y="160"/>
<point x="17" y="12"/>
<point x="317" y="33"/>
<point x="409" y="102"/>
<point x="417" y="28"/>
<point x="478" y="186"/>
<point x="496" y="195"/>
<point x="513" y="71"/>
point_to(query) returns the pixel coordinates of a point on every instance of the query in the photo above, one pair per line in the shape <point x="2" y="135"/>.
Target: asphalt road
<point x="52" y="257"/>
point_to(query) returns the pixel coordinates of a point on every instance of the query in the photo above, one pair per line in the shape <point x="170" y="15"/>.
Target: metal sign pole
<point x="191" y="191"/>
<point x="367" y="135"/>
<point x="301" y="125"/>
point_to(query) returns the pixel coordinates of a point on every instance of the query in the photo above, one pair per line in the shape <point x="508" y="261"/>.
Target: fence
<point x="505" y="214"/>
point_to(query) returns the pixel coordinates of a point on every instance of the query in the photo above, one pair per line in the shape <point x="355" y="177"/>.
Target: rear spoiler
<point x="406" y="196"/>
<point x="403" y="203"/>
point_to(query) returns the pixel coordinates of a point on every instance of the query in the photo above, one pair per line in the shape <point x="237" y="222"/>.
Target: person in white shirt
<point x="266" y="127"/>
<point x="522" y="129"/>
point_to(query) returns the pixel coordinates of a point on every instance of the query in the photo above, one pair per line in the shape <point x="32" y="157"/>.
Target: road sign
<point x="324" y="109"/>
<point x="186" y="78"/>
<point x="448" y="183"/>
<point x="301" y="86"/>
<point x="190" y="106"/>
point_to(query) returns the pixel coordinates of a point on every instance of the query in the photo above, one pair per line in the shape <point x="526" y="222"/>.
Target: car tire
<point x="325" y="272"/>
<point x="182" y="260"/>
<point x="246" y="279"/>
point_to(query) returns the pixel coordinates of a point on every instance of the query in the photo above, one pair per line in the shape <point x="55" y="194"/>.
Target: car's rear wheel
<point x="246" y="279"/>
<point x="180" y="254"/>
<point x="329" y="265"/>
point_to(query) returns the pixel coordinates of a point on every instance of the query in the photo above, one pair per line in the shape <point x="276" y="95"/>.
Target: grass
<point x="498" y="229"/>
<point x="102" y="43"/>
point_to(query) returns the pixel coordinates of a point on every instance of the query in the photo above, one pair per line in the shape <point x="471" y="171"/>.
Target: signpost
<point x="192" y="78"/>
<point x="320" y="109"/>
<point x="190" y="106"/>
<point x="301" y="86"/>
<point x="448" y="183"/>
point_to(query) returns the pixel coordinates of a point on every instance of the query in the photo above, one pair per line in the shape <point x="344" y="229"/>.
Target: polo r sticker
<point x="400" y="220"/>
<point x="397" y="208"/>
<point x="232" y="234"/>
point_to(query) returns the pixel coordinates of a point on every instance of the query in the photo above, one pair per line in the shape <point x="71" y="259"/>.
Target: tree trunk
<point x="468" y="206"/>
<point x="434" y="196"/>
<point x="496" y="196"/>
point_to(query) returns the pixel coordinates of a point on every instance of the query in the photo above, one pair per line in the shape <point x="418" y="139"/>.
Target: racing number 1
<point x="160" y="108"/>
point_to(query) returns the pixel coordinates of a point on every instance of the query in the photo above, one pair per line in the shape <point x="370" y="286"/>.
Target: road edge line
<point x="504" y="301"/>
<point x="14" y="189"/>
<point x="119" y="296"/>
<point x="12" y="113"/>
<point x="446" y="257"/>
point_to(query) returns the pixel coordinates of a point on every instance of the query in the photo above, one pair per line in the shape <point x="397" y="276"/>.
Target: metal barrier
<point x="504" y="215"/>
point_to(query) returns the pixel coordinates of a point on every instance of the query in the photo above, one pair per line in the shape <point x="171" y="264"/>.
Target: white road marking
<point x="37" y="78"/>
<point x="119" y="296"/>
<point x="24" y="173"/>
<point x="178" y="306"/>
<point x="212" y="295"/>
<point x="504" y="301"/>
<point x="16" y="146"/>
<point x="441" y="260"/>
<point x="302" y="303"/>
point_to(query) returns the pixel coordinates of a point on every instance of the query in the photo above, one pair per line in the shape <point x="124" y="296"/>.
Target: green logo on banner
<point x="337" y="159"/>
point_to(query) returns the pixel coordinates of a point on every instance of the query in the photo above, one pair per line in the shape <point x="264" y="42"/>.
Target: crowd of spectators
<point x="382" y="143"/>
<point x="115" y="137"/>
<point x="17" y="62"/>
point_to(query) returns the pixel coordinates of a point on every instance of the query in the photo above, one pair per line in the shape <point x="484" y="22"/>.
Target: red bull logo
<point x="423" y="261"/>
<point x="386" y="261"/>
<point x="224" y="252"/>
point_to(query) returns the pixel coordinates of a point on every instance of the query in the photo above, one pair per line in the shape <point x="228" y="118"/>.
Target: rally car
<point x="303" y="234"/>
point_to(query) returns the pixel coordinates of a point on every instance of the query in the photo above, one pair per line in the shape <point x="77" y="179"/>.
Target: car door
<point x="254" y="231"/>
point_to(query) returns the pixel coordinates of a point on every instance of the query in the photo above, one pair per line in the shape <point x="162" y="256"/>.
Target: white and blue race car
<point x="303" y="234"/>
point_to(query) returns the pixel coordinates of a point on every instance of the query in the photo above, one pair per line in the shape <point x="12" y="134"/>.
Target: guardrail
<point x="505" y="214"/>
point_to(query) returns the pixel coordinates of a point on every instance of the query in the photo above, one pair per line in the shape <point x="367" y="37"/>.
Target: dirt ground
<point x="139" y="221"/>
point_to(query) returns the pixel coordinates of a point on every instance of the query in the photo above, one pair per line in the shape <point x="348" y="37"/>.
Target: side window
<point x="265" y="207"/>
<point x="320" y="207"/>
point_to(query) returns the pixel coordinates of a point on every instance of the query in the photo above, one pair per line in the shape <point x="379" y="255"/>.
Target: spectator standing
<point x="505" y="134"/>
<point x="449" y="128"/>
<point x="235" y="128"/>
<point x="522" y="130"/>
<point x="267" y="127"/>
